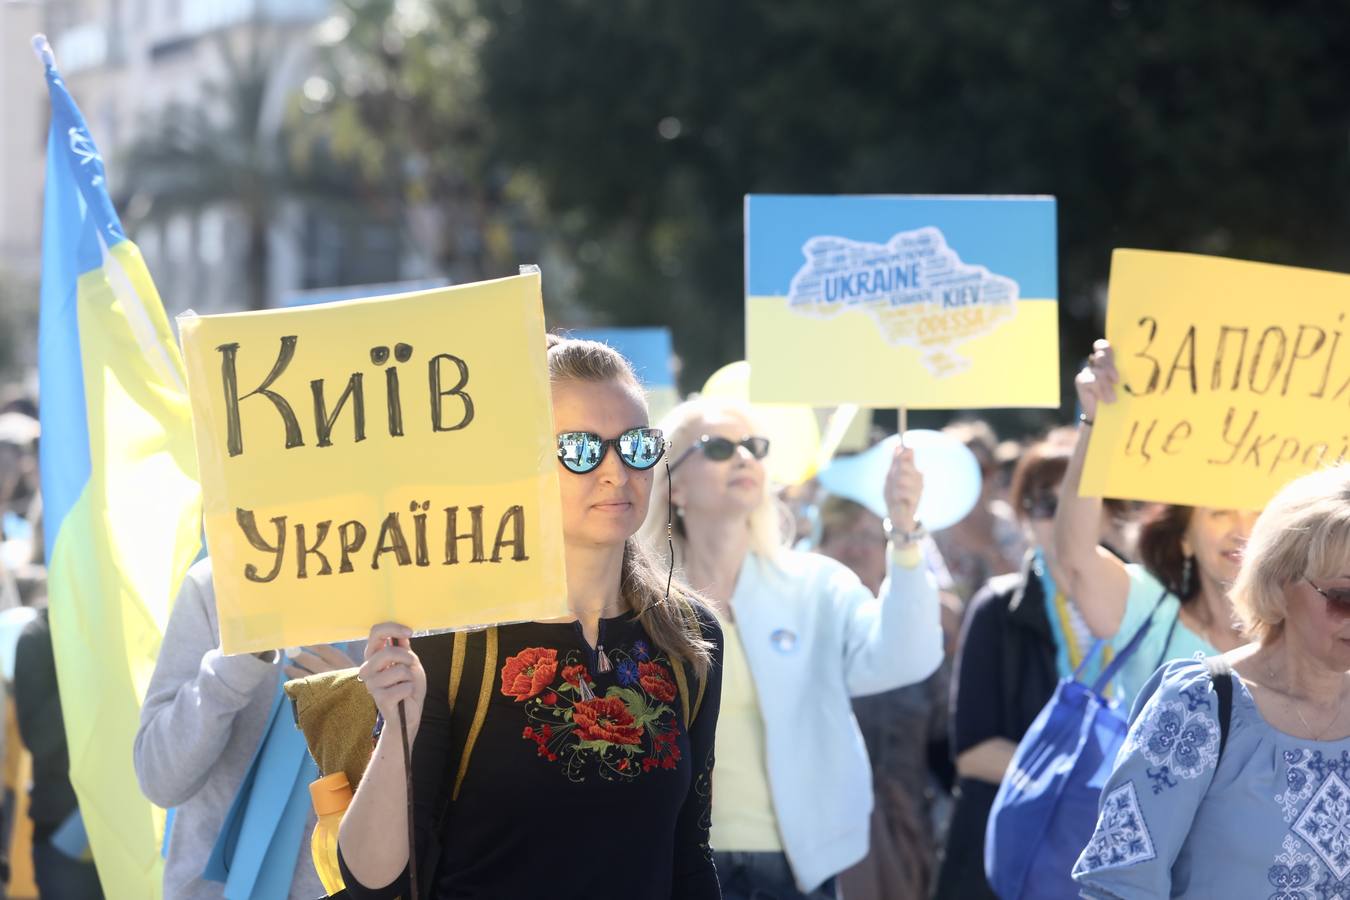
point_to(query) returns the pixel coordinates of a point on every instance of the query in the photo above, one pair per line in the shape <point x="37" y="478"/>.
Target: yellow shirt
<point x="742" y="813"/>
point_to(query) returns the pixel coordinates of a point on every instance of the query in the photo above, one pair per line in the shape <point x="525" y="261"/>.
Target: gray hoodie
<point x="203" y="717"/>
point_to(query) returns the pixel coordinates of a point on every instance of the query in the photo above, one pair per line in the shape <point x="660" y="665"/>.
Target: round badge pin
<point x="783" y="640"/>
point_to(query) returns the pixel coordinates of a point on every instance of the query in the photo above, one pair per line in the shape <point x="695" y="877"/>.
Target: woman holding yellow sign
<point x="793" y="787"/>
<point x="1179" y="595"/>
<point x="583" y="770"/>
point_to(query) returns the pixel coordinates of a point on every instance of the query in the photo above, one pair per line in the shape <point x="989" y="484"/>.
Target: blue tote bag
<point x="1046" y="807"/>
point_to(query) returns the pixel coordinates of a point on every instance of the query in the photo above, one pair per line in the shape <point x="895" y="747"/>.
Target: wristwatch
<point x="903" y="537"/>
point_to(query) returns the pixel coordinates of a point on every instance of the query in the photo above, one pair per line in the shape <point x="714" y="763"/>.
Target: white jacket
<point x="814" y="637"/>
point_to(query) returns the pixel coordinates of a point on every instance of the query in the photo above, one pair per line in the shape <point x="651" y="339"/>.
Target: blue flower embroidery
<point x="640" y="651"/>
<point x="1287" y="880"/>
<point x="1325" y="825"/>
<point x="1330" y="888"/>
<point x="1121" y="838"/>
<point x="1161" y="778"/>
<point x="1195" y="698"/>
<point x="627" y="673"/>
<point x="1184" y="741"/>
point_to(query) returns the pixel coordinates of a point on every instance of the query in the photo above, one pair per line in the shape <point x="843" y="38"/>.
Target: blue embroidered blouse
<point x="1269" y="820"/>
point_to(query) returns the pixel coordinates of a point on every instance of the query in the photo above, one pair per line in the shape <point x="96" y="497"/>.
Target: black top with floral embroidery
<point x="581" y="783"/>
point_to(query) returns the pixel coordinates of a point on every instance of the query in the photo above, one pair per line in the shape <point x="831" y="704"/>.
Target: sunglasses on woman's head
<point x="638" y="448"/>
<point x="720" y="449"/>
<point x="1338" y="597"/>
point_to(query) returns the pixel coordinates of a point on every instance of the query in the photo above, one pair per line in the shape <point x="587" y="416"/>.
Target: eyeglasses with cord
<point x="720" y="449"/>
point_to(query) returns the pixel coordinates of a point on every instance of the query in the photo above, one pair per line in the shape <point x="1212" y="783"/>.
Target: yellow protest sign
<point x="884" y="301"/>
<point x="390" y="459"/>
<point x="1234" y="380"/>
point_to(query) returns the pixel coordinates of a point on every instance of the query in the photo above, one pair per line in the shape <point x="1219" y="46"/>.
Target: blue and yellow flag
<point x="122" y="506"/>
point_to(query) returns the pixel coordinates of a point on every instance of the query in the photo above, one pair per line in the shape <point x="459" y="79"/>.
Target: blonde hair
<point x="673" y="626"/>
<point x="1303" y="533"/>
<point x="683" y="426"/>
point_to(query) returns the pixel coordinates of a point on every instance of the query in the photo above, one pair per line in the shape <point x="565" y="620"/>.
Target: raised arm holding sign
<point x="1177" y="597"/>
<point x="1221" y="381"/>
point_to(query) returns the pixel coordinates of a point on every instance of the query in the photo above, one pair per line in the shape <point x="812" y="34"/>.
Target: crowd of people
<point x="60" y="862"/>
<point x="744" y="707"/>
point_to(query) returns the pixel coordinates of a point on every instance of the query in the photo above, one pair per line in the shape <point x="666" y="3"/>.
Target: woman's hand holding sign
<point x="393" y="673"/>
<point x="904" y="486"/>
<point x="375" y="852"/>
<point x="1098" y="379"/>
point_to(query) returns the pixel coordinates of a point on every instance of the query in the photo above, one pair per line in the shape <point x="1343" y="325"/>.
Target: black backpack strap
<point x="468" y="665"/>
<point x="1221" y="676"/>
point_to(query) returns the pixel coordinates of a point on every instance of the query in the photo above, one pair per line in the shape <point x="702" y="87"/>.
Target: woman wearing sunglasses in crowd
<point x="793" y="791"/>
<point x="1022" y="634"/>
<point x="1257" y="808"/>
<point x="1190" y="557"/>
<point x="584" y="780"/>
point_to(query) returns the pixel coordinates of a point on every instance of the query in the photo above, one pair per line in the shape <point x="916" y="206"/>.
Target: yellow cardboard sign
<point x="883" y="301"/>
<point x="1234" y="380"/>
<point x="390" y="459"/>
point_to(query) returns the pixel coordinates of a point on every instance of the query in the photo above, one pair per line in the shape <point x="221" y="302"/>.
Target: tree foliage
<point x="1184" y="126"/>
<point x="222" y="150"/>
<point x="405" y="107"/>
<point x="641" y="125"/>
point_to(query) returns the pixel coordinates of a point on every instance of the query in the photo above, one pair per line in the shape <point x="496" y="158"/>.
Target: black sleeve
<point x="37" y="702"/>
<point x="432" y="779"/>
<point x="976" y="715"/>
<point x="695" y="876"/>
<point x="938" y="688"/>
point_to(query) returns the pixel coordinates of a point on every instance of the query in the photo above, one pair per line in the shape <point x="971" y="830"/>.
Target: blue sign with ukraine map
<point x="883" y="301"/>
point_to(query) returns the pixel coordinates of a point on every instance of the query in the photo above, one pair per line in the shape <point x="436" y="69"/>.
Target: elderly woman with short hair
<point x="1258" y="806"/>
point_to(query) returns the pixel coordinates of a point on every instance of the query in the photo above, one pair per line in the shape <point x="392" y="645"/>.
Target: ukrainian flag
<point x="122" y="507"/>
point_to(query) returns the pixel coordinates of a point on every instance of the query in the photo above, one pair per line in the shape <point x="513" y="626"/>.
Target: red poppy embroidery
<point x="573" y="675"/>
<point x="529" y="672"/>
<point x="630" y="730"/>
<point x="656" y="681"/>
<point x="541" y="738"/>
<point x="606" y="719"/>
<point x="665" y="752"/>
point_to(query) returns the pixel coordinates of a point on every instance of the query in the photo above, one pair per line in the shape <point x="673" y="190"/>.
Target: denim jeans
<point x="762" y="876"/>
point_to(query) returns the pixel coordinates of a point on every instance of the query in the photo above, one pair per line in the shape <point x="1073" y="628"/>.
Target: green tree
<point x="1180" y="126"/>
<point x="222" y="151"/>
<point x="399" y="96"/>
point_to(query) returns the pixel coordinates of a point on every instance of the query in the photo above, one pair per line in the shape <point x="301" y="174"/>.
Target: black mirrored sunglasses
<point x="639" y="448"/>
<point x="1336" y="596"/>
<point x="720" y="449"/>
